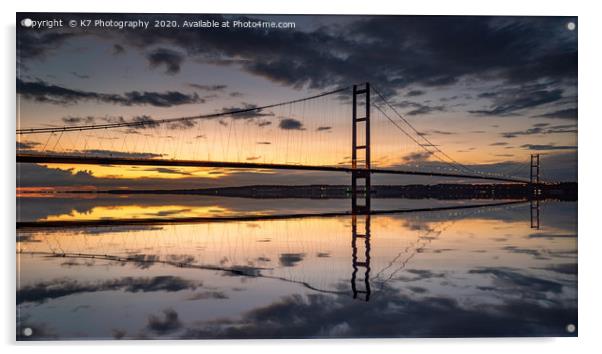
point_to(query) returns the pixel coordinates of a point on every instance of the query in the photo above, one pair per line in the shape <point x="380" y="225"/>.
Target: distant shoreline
<point x="561" y="191"/>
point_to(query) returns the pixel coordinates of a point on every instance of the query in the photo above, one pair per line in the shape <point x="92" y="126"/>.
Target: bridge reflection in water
<point x="294" y="250"/>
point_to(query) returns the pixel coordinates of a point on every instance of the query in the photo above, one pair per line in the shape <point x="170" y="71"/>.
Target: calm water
<point x="472" y="272"/>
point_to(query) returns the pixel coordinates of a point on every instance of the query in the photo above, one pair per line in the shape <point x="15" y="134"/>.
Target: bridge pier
<point x="363" y="172"/>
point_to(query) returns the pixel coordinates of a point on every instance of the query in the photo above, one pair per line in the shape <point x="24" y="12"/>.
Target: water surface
<point x="472" y="272"/>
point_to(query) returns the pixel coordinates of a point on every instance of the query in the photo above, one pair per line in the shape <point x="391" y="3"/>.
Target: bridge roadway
<point x="127" y="161"/>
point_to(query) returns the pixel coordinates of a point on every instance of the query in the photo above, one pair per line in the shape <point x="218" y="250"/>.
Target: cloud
<point x="113" y="153"/>
<point x="182" y="124"/>
<point x="420" y="274"/>
<point x="80" y="76"/>
<point x="395" y="313"/>
<point x="417" y="156"/>
<point x="118" y="49"/>
<point x="208" y="88"/>
<point x="146" y="122"/>
<point x="510" y="101"/>
<point x="563" y="268"/>
<point x="170" y="171"/>
<point x="41" y="91"/>
<point x="425" y="110"/>
<point x="413" y="50"/>
<point x="171" y="59"/>
<point x="508" y="279"/>
<point x="38" y="44"/>
<point x="168" y="323"/>
<point x="499" y="143"/>
<point x="546" y="147"/>
<point x="442" y="132"/>
<point x="208" y="295"/>
<point x="27" y="145"/>
<point x="78" y="120"/>
<point x="290" y="124"/>
<point x="250" y="111"/>
<point x="52" y="289"/>
<point x="419" y="108"/>
<point x="290" y="259"/>
<point x="569" y="113"/>
<point x="415" y="93"/>
<point x="323" y="128"/>
<point x="542" y="128"/>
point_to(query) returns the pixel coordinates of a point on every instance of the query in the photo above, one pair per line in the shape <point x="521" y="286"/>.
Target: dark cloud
<point x="47" y="290"/>
<point x="41" y="91"/>
<point x="507" y="279"/>
<point x="182" y="124"/>
<point x="424" y="109"/>
<point x="171" y="59"/>
<point x="145" y="122"/>
<point x="520" y="250"/>
<point x="165" y="324"/>
<point x="419" y="108"/>
<point x="290" y="124"/>
<point x="417" y="156"/>
<point x="78" y="120"/>
<point x="441" y="132"/>
<point x="118" y="49"/>
<point x="323" y="128"/>
<point x="249" y="111"/>
<point x="340" y="316"/>
<point x="511" y="101"/>
<point x="542" y="128"/>
<point x="170" y="171"/>
<point x="563" y="268"/>
<point x="263" y="123"/>
<point x="414" y="93"/>
<point x="569" y="113"/>
<point x="113" y="153"/>
<point x="394" y="51"/>
<point x="209" y="88"/>
<point x="208" y="295"/>
<point x="27" y="145"/>
<point x="38" y="44"/>
<point x="290" y="259"/>
<point x="420" y="274"/>
<point x="545" y="147"/>
<point x="80" y="76"/>
<point x="499" y="143"/>
<point x="552" y="236"/>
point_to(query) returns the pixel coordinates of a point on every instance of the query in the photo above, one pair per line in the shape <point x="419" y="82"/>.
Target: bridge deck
<point x="124" y="161"/>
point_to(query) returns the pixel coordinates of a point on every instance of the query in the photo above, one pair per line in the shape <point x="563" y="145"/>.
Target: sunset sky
<point x="489" y="91"/>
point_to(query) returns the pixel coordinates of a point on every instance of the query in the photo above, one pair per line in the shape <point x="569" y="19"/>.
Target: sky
<point x="489" y="91"/>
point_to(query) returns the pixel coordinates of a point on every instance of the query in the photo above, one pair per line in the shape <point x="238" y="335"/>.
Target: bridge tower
<point x="357" y="264"/>
<point x="360" y="172"/>
<point x="534" y="175"/>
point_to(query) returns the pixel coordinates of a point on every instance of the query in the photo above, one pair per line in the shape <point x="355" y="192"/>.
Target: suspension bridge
<point x="303" y="141"/>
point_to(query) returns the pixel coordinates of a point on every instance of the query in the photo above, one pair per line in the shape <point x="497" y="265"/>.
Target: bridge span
<point x="126" y="161"/>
